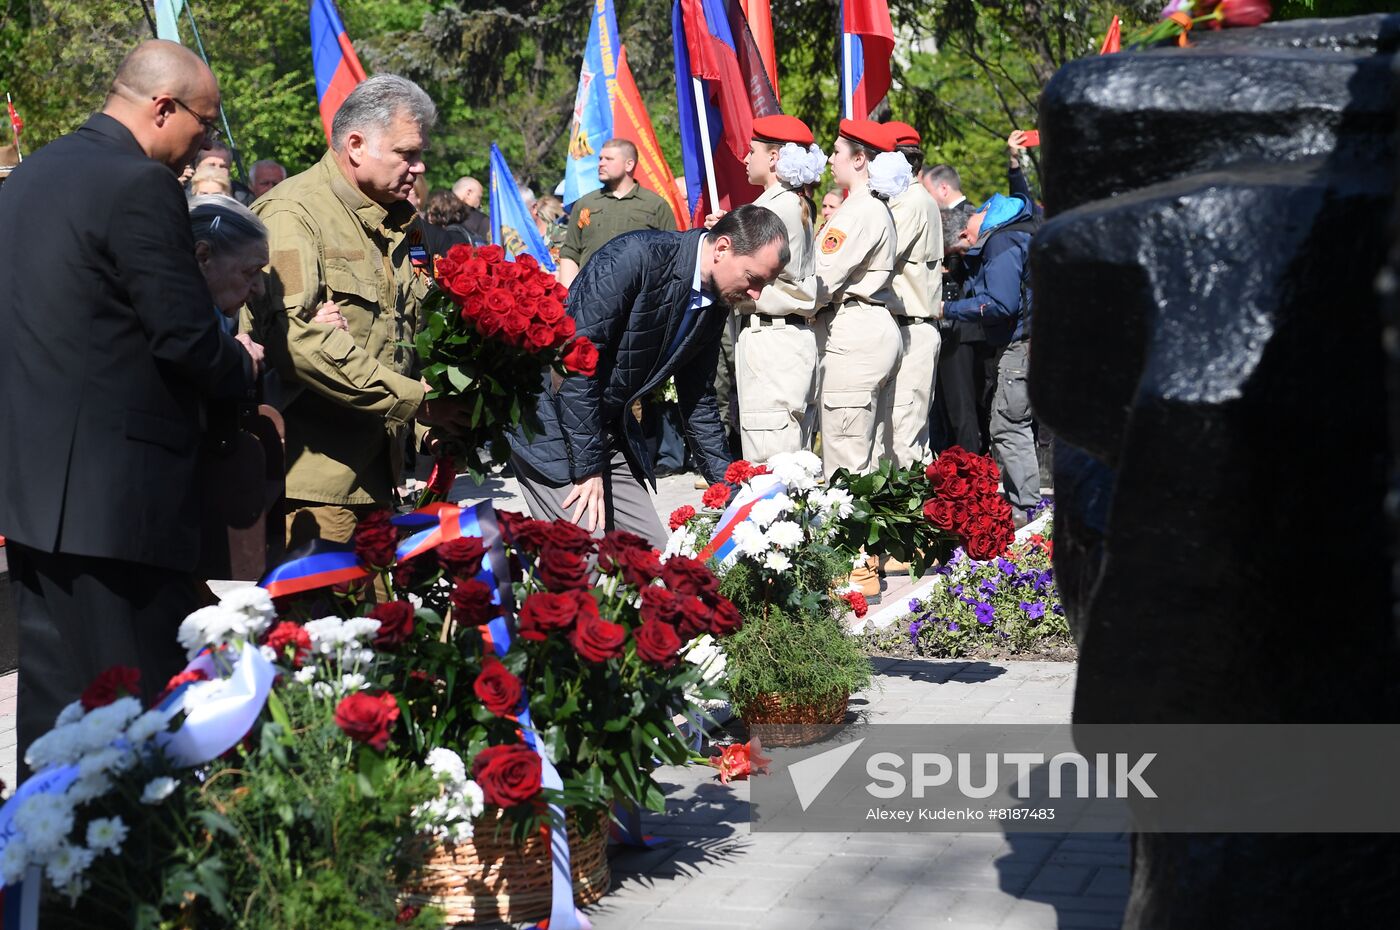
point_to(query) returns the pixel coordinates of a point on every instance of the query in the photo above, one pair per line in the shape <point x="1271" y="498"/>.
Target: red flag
<point x="630" y="121"/>
<point x="1112" y="41"/>
<point x="16" y="123"/>
<point x="760" y="17"/>
<point x="868" y="24"/>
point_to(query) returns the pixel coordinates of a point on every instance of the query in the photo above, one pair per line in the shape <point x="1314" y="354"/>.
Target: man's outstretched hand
<point x="588" y="495"/>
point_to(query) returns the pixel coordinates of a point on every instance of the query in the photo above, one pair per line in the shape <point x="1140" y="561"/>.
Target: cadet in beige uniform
<point x="775" y="355"/>
<point x="340" y="232"/>
<point x="856" y="335"/>
<point x="917" y="307"/>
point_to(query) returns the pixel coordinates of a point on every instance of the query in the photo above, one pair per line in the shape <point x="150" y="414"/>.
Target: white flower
<point x="67" y="862"/>
<point x="86" y="789"/>
<point x="45" y="820"/>
<point x="473" y="798"/>
<point x="148" y="725"/>
<point x="798" y="167"/>
<point x="785" y="534"/>
<point x="252" y="602"/>
<point x="327" y="634"/>
<point x="305" y="675"/>
<point x="447" y="765"/>
<point x="360" y="628"/>
<point x="209" y="626"/>
<point x="769" y="509"/>
<point x="682" y="542"/>
<point x="106" y="760"/>
<point x="269" y="653"/>
<point x="889" y="174"/>
<point x="322" y="689"/>
<point x="70" y="714"/>
<point x="749" y="539"/>
<point x="777" y="562"/>
<point x="101" y="726"/>
<point x="415" y="600"/>
<point x="158" y="789"/>
<point x="14" y="859"/>
<point x="352" y="682"/>
<point x="704" y="651"/>
<point x="798" y="470"/>
<point x="60" y="746"/>
<point x="837" y="502"/>
<point x="106" y="834"/>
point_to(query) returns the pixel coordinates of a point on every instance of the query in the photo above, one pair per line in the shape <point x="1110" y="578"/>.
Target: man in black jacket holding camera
<point x="655" y="304"/>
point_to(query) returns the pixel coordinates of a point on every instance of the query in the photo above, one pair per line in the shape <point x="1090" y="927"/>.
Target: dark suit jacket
<point x="108" y="347"/>
<point x="630" y="299"/>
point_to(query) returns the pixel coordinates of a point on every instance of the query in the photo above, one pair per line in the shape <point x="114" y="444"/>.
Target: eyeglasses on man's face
<point x="211" y="129"/>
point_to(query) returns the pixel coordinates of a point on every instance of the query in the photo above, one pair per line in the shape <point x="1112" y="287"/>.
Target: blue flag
<point x="512" y="225"/>
<point x="593" y="104"/>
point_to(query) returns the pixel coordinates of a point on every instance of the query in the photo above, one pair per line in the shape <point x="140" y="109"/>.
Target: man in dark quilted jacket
<point x="655" y="304"/>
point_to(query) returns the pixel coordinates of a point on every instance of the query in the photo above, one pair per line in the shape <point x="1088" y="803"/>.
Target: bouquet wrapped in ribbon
<point x="919" y="515"/>
<point x="492" y="328"/>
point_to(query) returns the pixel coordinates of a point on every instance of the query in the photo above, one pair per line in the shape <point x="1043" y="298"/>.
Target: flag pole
<point x="228" y="132"/>
<point x="848" y="92"/>
<point x="703" y="112"/>
<point x="10" y="108"/>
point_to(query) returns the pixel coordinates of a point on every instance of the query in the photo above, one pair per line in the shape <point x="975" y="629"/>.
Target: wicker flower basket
<point x="791" y="723"/>
<point x="491" y="878"/>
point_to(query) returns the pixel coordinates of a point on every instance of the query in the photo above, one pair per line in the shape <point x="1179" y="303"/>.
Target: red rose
<point x="564" y="331"/>
<point x="582" y="357"/>
<point x="375" y="539"/>
<point x="527" y="261"/>
<point x="985" y="547"/>
<point x="680" y="516"/>
<point x="640" y="567"/>
<point x="515" y="326"/>
<point x="613" y="544"/>
<point x="459" y="253"/>
<point x="716" y="496"/>
<point x="956" y="488"/>
<point x="687" y="576"/>
<point x="939" y="513"/>
<point x="287" y="635"/>
<point x="695" y="617"/>
<point x="984" y="487"/>
<point x="548" y="310"/>
<point x="508" y="775"/>
<point x="724" y="616"/>
<point x="598" y="640"/>
<point x="657" y="643"/>
<point x="497" y="688"/>
<point x="738" y="472"/>
<point x="471" y="603"/>
<point x="543" y="611"/>
<point x="507" y="271"/>
<point x="539" y="336"/>
<point x="661" y="605"/>
<point x="367" y="718"/>
<point x="462" y="557"/>
<point x="117" y="681"/>
<point x="570" y="537"/>
<point x="561" y="570"/>
<point x="490" y="324"/>
<point x="395" y="623"/>
<point x="527" y="534"/>
<point x="491" y="254"/>
<point x="585" y="604"/>
<point x="499" y="301"/>
<point x="187" y="678"/>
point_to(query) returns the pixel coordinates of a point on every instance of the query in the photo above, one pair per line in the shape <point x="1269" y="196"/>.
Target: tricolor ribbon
<point x="760" y="487"/>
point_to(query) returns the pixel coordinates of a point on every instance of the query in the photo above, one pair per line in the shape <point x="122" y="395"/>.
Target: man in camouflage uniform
<point x="340" y="233"/>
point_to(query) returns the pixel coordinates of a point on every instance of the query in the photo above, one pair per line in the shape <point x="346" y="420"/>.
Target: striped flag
<point x="333" y="59"/>
<point x="512" y="225"/>
<point x="761" y="487"/>
<point x="867" y="41"/>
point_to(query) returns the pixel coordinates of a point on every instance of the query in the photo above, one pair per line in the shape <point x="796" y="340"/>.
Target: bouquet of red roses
<point x="490" y="328"/>
<point x="919" y="515"/>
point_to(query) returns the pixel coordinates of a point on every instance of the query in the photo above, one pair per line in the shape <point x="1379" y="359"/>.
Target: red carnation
<point x="687" y="576"/>
<point x="285" y="635"/>
<point x="375" y="539"/>
<point x="858" y="603"/>
<point x="543" y="612"/>
<point x="367" y="718"/>
<point x="471" y="602"/>
<point x="187" y="677"/>
<point x="117" y="681"/>
<point x="462" y="557"/>
<point x="598" y="640"/>
<point x="738" y="472"/>
<point x="716" y="497"/>
<point x="562" y="570"/>
<point x="657" y="643"/>
<point x="497" y="688"/>
<point x="681" y="516"/>
<point x="395" y="623"/>
<point x="582" y="357"/>
<point x="508" y="775"/>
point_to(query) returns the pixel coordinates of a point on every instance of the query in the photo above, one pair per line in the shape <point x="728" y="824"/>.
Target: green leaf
<point x="210" y="873"/>
<point x="459" y="379"/>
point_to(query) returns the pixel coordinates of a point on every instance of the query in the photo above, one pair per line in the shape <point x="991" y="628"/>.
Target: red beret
<point x="781" y="128"/>
<point x="868" y="133"/>
<point x="904" y="134"/>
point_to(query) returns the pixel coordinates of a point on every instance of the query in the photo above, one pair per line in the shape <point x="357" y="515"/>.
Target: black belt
<point x="911" y="320"/>
<point x="792" y="319"/>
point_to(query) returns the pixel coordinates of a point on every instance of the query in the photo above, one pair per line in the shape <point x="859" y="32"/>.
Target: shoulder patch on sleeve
<point x="832" y="240"/>
<point x="585" y="216"/>
<point x="287" y="265"/>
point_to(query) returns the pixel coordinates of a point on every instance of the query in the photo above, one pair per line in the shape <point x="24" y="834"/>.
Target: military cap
<point x="868" y="133"/>
<point x="904" y="134"/>
<point x="781" y="128"/>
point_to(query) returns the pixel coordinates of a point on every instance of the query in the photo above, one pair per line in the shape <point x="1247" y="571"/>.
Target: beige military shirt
<point x="855" y="254"/>
<point x="795" y="291"/>
<point x="348" y="393"/>
<point x="918" y="269"/>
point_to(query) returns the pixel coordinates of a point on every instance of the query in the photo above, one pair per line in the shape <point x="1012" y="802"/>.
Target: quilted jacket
<point x="630" y="298"/>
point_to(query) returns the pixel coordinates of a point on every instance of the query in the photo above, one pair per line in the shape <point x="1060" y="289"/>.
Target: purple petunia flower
<point x="957" y="590"/>
<point x="1056" y="608"/>
<point x="915" y="605"/>
<point x="953" y="626"/>
<point x="1007" y="568"/>
<point x="988" y="586"/>
<point x="1033" y="610"/>
<point x="914" y="629"/>
<point x="986" y="613"/>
